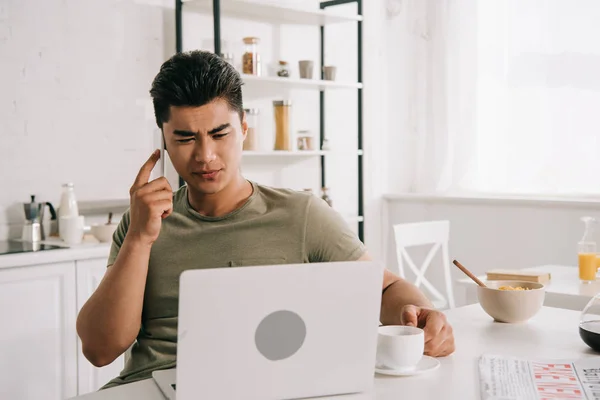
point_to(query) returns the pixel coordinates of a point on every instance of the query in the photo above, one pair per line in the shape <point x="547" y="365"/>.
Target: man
<point x="219" y="219"/>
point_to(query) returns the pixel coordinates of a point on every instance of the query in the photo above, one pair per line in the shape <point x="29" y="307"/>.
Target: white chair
<point x="423" y="233"/>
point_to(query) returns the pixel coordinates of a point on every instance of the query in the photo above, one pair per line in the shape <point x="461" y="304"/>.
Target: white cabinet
<point x="89" y="275"/>
<point x="38" y="341"/>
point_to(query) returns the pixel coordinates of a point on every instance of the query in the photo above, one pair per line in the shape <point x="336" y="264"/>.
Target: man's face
<point x="205" y="144"/>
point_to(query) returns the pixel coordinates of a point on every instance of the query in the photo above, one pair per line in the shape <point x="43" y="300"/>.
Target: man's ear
<point x="244" y="126"/>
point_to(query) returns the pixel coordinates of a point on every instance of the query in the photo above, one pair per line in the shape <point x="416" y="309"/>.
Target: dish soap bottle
<point x="586" y="251"/>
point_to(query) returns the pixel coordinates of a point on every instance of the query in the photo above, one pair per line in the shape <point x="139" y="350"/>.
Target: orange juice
<point x="587" y="266"/>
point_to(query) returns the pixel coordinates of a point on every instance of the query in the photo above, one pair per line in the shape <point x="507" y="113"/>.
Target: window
<point x="538" y="97"/>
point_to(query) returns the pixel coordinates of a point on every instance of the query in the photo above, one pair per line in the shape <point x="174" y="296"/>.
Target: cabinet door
<point x="90" y="378"/>
<point x="38" y="341"/>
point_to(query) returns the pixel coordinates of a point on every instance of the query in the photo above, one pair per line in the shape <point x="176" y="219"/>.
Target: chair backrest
<point x="436" y="233"/>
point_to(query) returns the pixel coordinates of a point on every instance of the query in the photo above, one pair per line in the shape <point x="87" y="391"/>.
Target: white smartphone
<point x="158" y="142"/>
<point x="162" y="155"/>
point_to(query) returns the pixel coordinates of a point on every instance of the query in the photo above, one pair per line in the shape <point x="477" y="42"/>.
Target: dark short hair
<point x="195" y="78"/>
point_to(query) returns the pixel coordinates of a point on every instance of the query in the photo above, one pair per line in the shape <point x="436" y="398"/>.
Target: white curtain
<point x="497" y="96"/>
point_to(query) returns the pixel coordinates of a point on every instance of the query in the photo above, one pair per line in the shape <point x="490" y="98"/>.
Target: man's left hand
<point x="439" y="339"/>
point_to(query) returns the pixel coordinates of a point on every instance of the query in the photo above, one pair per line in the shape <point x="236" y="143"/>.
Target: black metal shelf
<point x="216" y="9"/>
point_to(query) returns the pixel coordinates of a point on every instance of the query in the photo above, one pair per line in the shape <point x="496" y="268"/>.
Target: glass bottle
<point x="586" y="252"/>
<point x="325" y="196"/>
<point x="68" y="202"/>
<point x="251" y="142"/>
<point x="251" y="57"/>
<point x="282" y="110"/>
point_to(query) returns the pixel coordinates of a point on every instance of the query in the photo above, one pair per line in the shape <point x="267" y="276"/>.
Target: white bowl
<point x="103" y="232"/>
<point x="511" y="306"/>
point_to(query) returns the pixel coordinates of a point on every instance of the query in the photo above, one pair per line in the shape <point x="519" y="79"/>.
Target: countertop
<point x="82" y="251"/>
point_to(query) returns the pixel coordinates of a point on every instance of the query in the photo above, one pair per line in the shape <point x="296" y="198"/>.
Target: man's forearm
<point x="397" y="295"/>
<point x="110" y="320"/>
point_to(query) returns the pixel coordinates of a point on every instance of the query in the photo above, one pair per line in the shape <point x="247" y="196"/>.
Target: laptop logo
<point x="280" y="335"/>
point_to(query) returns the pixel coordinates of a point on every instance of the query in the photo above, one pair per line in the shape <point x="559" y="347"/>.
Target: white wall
<point x="75" y="105"/>
<point x="486" y="234"/>
<point x="75" y="79"/>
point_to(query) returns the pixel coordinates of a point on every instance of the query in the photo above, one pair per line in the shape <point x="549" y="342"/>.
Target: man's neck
<point x="232" y="197"/>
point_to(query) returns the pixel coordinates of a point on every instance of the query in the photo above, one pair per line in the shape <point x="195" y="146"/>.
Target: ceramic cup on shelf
<point x="306" y="68"/>
<point x="399" y="347"/>
<point x="329" y="72"/>
<point x="71" y="229"/>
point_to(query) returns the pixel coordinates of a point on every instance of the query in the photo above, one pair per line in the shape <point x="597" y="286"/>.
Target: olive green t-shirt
<point x="274" y="226"/>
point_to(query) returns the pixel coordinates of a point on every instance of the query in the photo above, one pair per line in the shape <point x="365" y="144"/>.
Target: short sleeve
<point x="118" y="238"/>
<point x="328" y="236"/>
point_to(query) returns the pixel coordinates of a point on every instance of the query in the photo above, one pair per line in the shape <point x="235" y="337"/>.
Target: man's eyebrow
<point x="184" y="133"/>
<point x="219" y="128"/>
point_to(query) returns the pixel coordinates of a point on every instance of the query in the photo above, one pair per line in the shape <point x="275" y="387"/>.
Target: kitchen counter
<point x="77" y="252"/>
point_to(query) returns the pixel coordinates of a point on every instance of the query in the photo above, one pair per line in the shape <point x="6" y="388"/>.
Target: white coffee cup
<point x="70" y="229"/>
<point x="400" y="347"/>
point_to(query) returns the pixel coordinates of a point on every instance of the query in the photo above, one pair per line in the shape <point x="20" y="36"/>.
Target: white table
<point x="564" y="290"/>
<point x="552" y="333"/>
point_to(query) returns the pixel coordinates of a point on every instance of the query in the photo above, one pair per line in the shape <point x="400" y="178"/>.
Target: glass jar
<point x="283" y="70"/>
<point x="282" y="109"/>
<point x="302" y="143"/>
<point x="305" y="140"/>
<point x="251" y="142"/>
<point x="251" y="57"/>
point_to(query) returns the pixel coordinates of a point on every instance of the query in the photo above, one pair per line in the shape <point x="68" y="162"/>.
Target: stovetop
<point x="17" y="246"/>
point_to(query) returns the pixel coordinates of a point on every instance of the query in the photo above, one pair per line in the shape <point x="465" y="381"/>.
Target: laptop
<point x="276" y="332"/>
<point x="165" y="380"/>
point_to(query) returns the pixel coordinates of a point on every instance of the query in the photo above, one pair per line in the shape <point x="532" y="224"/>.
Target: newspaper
<point x="511" y="378"/>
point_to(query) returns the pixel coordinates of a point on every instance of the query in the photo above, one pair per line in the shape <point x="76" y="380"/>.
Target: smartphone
<point x="158" y="142"/>
<point x="162" y="155"/>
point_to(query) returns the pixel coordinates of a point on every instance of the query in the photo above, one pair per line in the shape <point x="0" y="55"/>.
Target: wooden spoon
<point x="468" y="273"/>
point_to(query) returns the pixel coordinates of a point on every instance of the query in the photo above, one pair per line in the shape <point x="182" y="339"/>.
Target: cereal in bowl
<point x="512" y="288"/>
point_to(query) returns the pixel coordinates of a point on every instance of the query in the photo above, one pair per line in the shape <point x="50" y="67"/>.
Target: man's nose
<point x="205" y="150"/>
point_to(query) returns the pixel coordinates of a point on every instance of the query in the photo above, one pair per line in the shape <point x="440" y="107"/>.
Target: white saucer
<point x="426" y="364"/>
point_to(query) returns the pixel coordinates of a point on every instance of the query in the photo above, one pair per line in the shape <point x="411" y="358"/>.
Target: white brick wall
<point x="74" y="80"/>
<point x="73" y="76"/>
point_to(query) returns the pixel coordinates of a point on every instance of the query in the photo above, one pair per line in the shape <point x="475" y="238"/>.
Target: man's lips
<point x="207" y="174"/>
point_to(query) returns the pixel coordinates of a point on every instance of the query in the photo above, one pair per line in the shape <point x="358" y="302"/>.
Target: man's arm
<point x="110" y="320"/>
<point x="397" y="293"/>
<point x="329" y="238"/>
<point x="402" y="303"/>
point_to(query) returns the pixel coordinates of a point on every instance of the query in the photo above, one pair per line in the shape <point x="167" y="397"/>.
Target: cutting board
<point x="516" y="275"/>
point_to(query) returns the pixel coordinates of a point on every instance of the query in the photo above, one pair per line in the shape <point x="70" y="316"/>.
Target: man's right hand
<point x="150" y="203"/>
